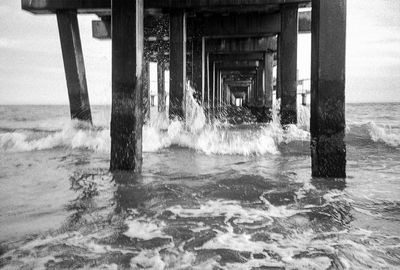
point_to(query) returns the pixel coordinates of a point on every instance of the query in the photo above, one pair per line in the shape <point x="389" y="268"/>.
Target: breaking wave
<point x="373" y="132"/>
<point x="196" y="132"/>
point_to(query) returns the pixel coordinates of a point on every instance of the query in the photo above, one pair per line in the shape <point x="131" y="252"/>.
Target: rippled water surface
<point x="210" y="196"/>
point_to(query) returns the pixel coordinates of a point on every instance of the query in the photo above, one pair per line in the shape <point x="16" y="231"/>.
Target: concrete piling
<point x="327" y="126"/>
<point x="288" y="63"/>
<point x="162" y="95"/>
<point x="268" y="79"/>
<point x="177" y="63"/>
<point x="74" y="65"/>
<point x="127" y="66"/>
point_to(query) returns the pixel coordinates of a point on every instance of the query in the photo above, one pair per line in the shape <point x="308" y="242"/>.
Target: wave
<point x="210" y="139"/>
<point x="371" y="131"/>
<point x="72" y="136"/>
<point x="196" y="132"/>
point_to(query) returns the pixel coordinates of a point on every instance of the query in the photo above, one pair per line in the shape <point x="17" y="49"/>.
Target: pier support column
<point x="278" y="90"/>
<point x="328" y="150"/>
<point x="260" y="85"/>
<point x="197" y="68"/>
<point x="206" y="80"/>
<point x="74" y="65"/>
<point x="218" y="90"/>
<point x="268" y="79"/>
<point x="177" y="63"/>
<point x="161" y="86"/>
<point x="127" y="105"/>
<point x="146" y="90"/>
<point x="288" y="62"/>
<point x="213" y="77"/>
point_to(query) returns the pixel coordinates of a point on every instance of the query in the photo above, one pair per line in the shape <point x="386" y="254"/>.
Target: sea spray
<point x="194" y="132"/>
<point x="384" y="134"/>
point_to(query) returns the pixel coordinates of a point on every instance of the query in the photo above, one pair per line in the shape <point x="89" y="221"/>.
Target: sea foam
<point x="195" y="133"/>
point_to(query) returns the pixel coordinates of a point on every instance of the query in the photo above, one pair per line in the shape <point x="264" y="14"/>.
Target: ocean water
<point x="211" y="196"/>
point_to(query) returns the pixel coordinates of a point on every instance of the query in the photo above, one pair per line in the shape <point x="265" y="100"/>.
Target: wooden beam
<point x="74" y="66"/>
<point x="177" y="63"/>
<point x="328" y="59"/>
<point x="127" y="62"/>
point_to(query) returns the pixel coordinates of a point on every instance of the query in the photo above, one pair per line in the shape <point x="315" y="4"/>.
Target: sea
<point x="212" y="194"/>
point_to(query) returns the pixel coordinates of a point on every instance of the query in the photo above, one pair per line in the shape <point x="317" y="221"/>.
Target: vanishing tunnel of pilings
<point x="227" y="49"/>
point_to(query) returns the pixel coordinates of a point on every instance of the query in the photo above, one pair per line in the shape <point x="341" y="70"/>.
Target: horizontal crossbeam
<point x="104" y="6"/>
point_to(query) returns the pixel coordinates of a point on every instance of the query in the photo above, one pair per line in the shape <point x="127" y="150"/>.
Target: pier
<point x="226" y="48"/>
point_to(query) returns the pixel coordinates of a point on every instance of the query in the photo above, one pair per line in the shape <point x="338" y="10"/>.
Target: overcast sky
<point x="31" y="67"/>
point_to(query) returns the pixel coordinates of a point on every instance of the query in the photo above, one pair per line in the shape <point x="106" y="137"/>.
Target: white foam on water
<point x="145" y="229"/>
<point x="279" y="211"/>
<point x="148" y="259"/>
<point x="233" y="241"/>
<point x="160" y="132"/>
<point x="227" y="209"/>
<point x="169" y="258"/>
<point x="36" y="253"/>
<point x="71" y="136"/>
<point x="194" y="132"/>
<point x="384" y="134"/>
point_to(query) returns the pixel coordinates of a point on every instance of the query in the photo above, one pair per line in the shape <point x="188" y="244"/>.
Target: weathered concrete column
<point x="268" y="80"/>
<point x="195" y="29"/>
<point x="278" y="70"/>
<point x="328" y="150"/>
<point x="197" y="67"/>
<point x="146" y="90"/>
<point x="227" y="95"/>
<point x="127" y="61"/>
<point x="251" y="94"/>
<point x="288" y="62"/>
<point x="217" y="89"/>
<point x="213" y="85"/>
<point x="221" y="89"/>
<point x="161" y="86"/>
<point x="74" y="66"/>
<point x="177" y="63"/>
<point x="260" y="85"/>
<point x="206" y="94"/>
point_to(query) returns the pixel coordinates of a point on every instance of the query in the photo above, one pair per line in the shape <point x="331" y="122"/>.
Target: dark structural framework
<point x="226" y="48"/>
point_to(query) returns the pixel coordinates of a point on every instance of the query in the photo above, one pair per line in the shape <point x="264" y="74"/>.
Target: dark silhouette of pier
<point x="227" y="48"/>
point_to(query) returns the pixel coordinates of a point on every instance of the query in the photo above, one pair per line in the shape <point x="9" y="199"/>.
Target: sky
<point x="32" y="72"/>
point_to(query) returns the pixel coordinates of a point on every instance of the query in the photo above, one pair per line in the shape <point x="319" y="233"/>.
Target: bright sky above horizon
<point x="31" y="67"/>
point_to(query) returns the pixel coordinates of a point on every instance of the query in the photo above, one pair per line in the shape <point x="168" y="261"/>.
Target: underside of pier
<point x="227" y="49"/>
